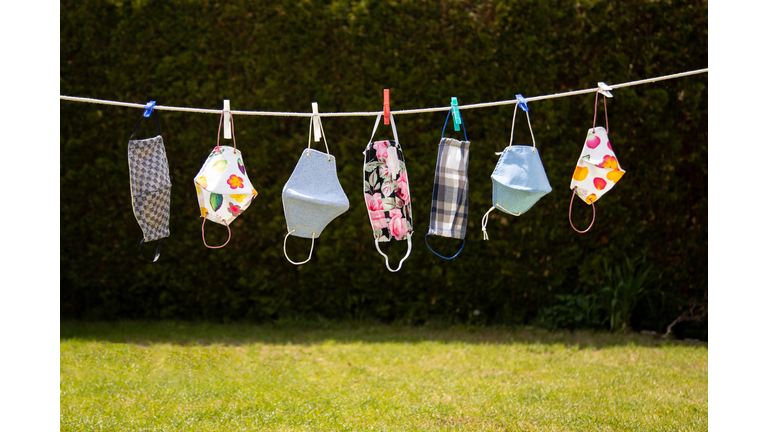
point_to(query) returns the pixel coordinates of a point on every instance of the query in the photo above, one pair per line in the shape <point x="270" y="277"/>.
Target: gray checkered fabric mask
<point x="450" y="194"/>
<point x="150" y="187"/>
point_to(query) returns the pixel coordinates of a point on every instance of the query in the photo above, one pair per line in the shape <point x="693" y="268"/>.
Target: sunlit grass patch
<point x="167" y="376"/>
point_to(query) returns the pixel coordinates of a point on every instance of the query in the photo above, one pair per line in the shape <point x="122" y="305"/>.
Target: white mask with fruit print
<point x="223" y="188"/>
<point x="597" y="169"/>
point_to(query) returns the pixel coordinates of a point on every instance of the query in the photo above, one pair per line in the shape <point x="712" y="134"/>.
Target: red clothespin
<point x="386" y="106"/>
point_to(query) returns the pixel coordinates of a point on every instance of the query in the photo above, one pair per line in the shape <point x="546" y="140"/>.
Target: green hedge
<point x="285" y="55"/>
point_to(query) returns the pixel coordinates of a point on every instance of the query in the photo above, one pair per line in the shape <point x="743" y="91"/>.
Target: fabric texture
<point x="313" y="196"/>
<point x="387" y="195"/>
<point x="150" y="186"/>
<point x="519" y="180"/>
<point x="223" y="188"/>
<point x="450" y="194"/>
<point x="597" y="169"/>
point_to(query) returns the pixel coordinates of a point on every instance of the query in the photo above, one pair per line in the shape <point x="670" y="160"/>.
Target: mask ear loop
<point x="463" y="241"/>
<point x="605" y="106"/>
<point x="228" y="237"/>
<point x="285" y="252"/>
<point x="232" y="125"/>
<point x="569" y="213"/>
<point x="157" y="251"/>
<point x="401" y="261"/>
<point x="157" y="123"/>
<point x="463" y="127"/>
<point x="322" y="133"/>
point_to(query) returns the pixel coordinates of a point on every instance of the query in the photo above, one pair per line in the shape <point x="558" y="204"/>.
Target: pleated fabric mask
<point x="597" y="169"/>
<point x="386" y="191"/>
<point x="519" y="179"/>
<point x="313" y="196"/>
<point x="150" y="186"/>
<point x="224" y="191"/>
<point x="450" y="193"/>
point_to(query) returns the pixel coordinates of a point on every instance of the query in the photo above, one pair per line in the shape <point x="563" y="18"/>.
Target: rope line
<point x="373" y="113"/>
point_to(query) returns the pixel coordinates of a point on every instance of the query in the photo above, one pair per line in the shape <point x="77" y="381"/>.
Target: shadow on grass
<point x="313" y="333"/>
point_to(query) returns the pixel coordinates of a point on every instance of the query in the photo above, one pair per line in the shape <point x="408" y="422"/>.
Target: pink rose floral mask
<point x="223" y="188"/>
<point x="386" y="192"/>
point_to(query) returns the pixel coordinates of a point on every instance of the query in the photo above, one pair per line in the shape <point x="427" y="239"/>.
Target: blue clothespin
<point x="521" y="102"/>
<point x="148" y="108"/>
<point x="456" y="114"/>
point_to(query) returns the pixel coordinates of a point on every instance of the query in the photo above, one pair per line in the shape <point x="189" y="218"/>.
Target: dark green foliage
<point x="282" y="57"/>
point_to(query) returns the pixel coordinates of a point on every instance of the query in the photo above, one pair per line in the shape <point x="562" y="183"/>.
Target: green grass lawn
<point x="189" y="377"/>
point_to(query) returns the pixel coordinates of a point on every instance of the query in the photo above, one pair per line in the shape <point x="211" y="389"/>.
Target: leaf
<point x="389" y="204"/>
<point x="372" y="179"/>
<point x="220" y="165"/>
<point x="387" y="187"/>
<point x="370" y="166"/>
<point x="240" y="165"/>
<point x="216" y="201"/>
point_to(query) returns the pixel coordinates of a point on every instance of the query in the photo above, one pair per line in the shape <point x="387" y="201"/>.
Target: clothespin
<point x="456" y="114"/>
<point x="148" y="108"/>
<point x="316" y="121"/>
<point x="227" y="123"/>
<point x="603" y="88"/>
<point x="521" y="102"/>
<point x="386" y="106"/>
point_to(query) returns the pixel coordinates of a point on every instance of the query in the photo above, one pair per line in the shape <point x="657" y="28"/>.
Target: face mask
<point x="597" y="169"/>
<point x="386" y="191"/>
<point x="313" y="196"/>
<point x="150" y="186"/>
<point x="223" y="188"/>
<point x="450" y="194"/>
<point x="519" y="179"/>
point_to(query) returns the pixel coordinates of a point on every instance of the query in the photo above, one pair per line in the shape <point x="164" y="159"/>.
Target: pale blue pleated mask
<point x="519" y="179"/>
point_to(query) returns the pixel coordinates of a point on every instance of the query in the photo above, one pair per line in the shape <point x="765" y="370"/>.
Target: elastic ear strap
<point x="216" y="247"/>
<point x="512" y="133"/>
<point x="387" y="258"/>
<point x="157" y="251"/>
<point x="485" y="222"/>
<point x="569" y="214"/>
<point x="463" y="241"/>
<point x="463" y="126"/>
<point x="394" y="128"/>
<point x="605" y="106"/>
<point x="285" y="243"/>
<point x="322" y="133"/>
<point x="157" y="123"/>
<point x="376" y="126"/>
<point x="232" y="124"/>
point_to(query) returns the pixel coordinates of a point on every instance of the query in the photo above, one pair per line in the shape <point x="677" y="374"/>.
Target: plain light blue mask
<point x="313" y="196"/>
<point x="519" y="179"/>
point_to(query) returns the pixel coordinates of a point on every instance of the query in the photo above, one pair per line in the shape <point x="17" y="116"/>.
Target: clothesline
<point x="373" y="113"/>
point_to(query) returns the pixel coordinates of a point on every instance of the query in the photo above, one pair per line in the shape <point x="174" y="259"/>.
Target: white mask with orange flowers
<point x="223" y="188"/>
<point x="597" y="169"/>
<point x="386" y="191"/>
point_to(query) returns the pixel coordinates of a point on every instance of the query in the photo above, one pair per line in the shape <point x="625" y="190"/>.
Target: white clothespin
<point x="227" y="123"/>
<point x="603" y="88"/>
<point x="316" y="121"/>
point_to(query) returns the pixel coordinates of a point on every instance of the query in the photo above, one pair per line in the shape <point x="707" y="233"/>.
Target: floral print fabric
<point x="223" y="189"/>
<point x="386" y="191"/>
